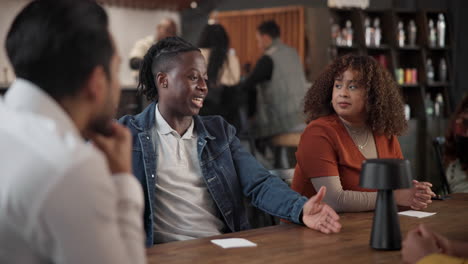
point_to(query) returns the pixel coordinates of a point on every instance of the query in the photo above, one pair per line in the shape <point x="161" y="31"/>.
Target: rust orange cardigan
<point x="326" y="149"/>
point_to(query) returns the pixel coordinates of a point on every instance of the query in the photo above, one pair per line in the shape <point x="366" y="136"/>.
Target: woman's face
<point x="186" y="85"/>
<point x="349" y="97"/>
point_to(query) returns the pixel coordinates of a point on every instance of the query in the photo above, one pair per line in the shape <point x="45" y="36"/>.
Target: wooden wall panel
<point x="241" y="27"/>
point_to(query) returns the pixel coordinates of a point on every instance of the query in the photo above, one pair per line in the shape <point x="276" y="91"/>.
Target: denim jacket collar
<point x="146" y="120"/>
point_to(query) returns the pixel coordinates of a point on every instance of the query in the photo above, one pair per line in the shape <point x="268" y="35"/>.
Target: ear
<point x="161" y="80"/>
<point x="95" y="88"/>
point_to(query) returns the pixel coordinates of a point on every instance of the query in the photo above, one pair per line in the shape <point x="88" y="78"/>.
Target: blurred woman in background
<point x="456" y="149"/>
<point x="223" y="73"/>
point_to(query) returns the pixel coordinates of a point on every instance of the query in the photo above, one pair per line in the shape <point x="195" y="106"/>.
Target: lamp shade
<point x="386" y="174"/>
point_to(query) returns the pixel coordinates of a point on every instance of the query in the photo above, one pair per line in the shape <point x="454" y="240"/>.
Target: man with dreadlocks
<point x="193" y="169"/>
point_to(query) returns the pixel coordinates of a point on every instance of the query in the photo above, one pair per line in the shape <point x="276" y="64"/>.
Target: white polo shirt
<point x="184" y="208"/>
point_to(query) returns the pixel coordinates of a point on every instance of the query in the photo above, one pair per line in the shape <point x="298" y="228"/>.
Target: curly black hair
<point x="384" y="106"/>
<point x="160" y="58"/>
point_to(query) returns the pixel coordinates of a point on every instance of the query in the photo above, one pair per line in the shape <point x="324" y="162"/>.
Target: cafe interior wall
<point x="127" y="25"/>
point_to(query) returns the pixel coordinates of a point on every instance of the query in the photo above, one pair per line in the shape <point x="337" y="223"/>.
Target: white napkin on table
<point x="233" y="243"/>
<point x="417" y="214"/>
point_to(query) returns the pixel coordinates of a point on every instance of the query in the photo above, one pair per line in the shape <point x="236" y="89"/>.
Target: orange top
<point x="326" y="149"/>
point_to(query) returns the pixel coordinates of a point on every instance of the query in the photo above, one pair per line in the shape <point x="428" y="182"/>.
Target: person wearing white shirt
<point x="167" y="27"/>
<point x="63" y="200"/>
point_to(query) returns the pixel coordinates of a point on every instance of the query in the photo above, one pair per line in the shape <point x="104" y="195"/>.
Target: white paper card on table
<point x="417" y="214"/>
<point x="233" y="243"/>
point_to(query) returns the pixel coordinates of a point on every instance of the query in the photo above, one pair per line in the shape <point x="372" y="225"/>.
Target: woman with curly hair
<point x="456" y="149"/>
<point x="354" y="112"/>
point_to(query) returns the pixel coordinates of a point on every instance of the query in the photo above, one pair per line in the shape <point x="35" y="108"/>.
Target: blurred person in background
<point x="166" y="28"/>
<point x="456" y="149"/>
<point x="279" y="80"/>
<point x="223" y="74"/>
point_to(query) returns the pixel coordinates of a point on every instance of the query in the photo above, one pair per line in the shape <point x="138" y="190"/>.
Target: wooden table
<point x="289" y="243"/>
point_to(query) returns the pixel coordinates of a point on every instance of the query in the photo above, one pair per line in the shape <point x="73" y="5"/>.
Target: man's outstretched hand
<point x="319" y="216"/>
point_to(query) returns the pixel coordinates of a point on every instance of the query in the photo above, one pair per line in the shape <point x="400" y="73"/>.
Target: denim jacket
<point x="230" y="173"/>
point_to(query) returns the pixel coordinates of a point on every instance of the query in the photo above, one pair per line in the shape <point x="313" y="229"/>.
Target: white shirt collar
<point x="25" y="96"/>
<point x="164" y="128"/>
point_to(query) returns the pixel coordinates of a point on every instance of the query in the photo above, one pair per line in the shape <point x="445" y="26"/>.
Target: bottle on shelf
<point x="382" y="59"/>
<point x="344" y="36"/>
<point x="400" y="76"/>
<point x="429" y="106"/>
<point x="414" y="72"/>
<point x="432" y="34"/>
<point x="441" y="30"/>
<point x="430" y="71"/>
<point x="377" y="32"/>
<point x="368" y="32"/>
<point x="401" y="34"/>
<point x="442" y="70"/>
<point x="409" y="76"/>
<point x="335" y="32"/>
<point x="349" y="33"/>
<point x="407" y="112"/>
<point x="439" y="105"/>
<point x="412" y="30"/>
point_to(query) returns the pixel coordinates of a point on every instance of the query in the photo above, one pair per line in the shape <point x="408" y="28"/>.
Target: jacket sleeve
<point x="266" y="191"/>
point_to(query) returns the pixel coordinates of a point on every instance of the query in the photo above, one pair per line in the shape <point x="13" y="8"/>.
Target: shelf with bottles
<point x="409" y="32"/>
<point x="435" y="103"/>
<point x="414" y="103"/>
<point x="377" y="29"/>
<point x="438" y="84"/>
<point x="436" y="68"/>
<point x="384" y="57"/>
<point x="436" y="31"/>
<point x="381" y="47"/>
<point x="346" y="28"/>
<point x="410" y="85"/>
<point x="336" y="52"/>
<point x="446" y="48"/>
<point x="409" y="48"/>
<point x="352" y="47"/>
<point x="409" y="69"/>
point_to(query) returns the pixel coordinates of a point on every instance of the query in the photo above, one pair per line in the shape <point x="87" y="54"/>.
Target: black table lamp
<point x="385" y="175"/>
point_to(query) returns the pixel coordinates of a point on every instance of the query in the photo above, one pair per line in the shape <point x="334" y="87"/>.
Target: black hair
<point x="269" y="28"/>
<point x="215" y="38"/>
<point x="57" y="44"/>
<point x="160" y="58"/>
